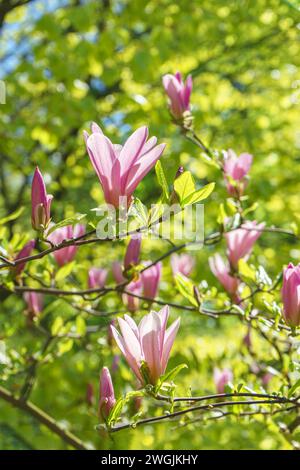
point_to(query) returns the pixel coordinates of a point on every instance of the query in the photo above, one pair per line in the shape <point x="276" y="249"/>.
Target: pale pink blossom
<point x="121" y="168"/>
<point x="40" y="202"/>
<point x="34" y="301"/>
<point x="24" y="253"/>
<point x="67" y="254"/>
<point x="291" y="295"/>
<point x="178" y="93"/>
<point x="132" y="255"/>
<point x="151" y="279"/>
<point x="182" y="264"/>
<point x="147" y="347"/>
<point x="107" y="395"/>
<point x="221" y="270"/>
<point x="236" y="168"/>
<point x="222" y="378"/>
<point x="241" y="241"/>
<point x="97" y="278"/>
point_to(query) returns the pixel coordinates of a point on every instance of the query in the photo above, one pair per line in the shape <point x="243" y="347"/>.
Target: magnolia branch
<point x="208" y="408"/>
<point x="43" y="418"/>
<point x="81" y="240"/>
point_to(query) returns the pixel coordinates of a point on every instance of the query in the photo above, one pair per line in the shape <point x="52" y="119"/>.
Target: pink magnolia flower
<point x="109" y="333"/>
<point x="148" y="344"/>
<point x="24" y="253"/>
<point x="34" y="301"/>
<point x="150" y="280"/>
<point x="67" y="254"/>
<point x="132" y="256"/>
<point x="291" y="295"/>
<point x="221" y="270"/>
<point x="240" y="241"/>
<point x="121" y="168"/>
<point x="40" y="201"/>
<point x="182" y="264"/>
<point x="236" y="168"/>
<point x="97" y="278"/>
<point x="135" y="287"/>
<point x="107" y="395"/>
<point x="222" y="378"/>
<point x="178" y="93"/>
<point x="131" y="302"/>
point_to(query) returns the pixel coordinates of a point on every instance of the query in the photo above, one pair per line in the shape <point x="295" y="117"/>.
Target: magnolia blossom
<point x="132" y="256"/>
<point x="24" y="253"/>
<point x="222" y="378"/>
<point x="135" y="287"/>
<point x="236" y="169"/>
<point x="67" y="254"/>
<point x="182" y="264"/>
<point x="150" y="280"/>
<point x="240" y="241"/>
<point x="147" y="347"/>
<point x="107" y="395"/>
<point x="291" y="295"/>
<point x="97" y="278"/>
<point x="121" y="168"/>
<point x="40" y="201"/>
<point x="178" y="93"/>
<point x="34" y="301"/>
<point x="221" y="270"/>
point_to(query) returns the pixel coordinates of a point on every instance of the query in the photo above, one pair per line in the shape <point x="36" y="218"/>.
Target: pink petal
<point x="168" y="343"/>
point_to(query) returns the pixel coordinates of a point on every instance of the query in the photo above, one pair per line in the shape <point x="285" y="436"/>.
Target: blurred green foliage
<point x="74" y="62"/>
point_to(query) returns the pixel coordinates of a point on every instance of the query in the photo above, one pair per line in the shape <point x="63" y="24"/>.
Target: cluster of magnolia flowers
<point x="120" y="169"/>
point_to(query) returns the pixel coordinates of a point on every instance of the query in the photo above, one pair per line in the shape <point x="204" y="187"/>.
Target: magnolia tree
<point x="138" y="334"/>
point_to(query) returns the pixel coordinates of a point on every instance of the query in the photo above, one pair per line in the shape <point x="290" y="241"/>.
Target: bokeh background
<point x="66" y="63"/>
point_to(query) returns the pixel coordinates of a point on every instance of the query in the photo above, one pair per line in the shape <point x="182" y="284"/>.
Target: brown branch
<point x="208" y="408"/>
<point x="43" y="418"/>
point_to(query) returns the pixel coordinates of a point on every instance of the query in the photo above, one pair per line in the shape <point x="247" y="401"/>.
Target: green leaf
<point x="222" y="215"/>
<point x="116" y="411"/>
<point x="246" y="271"/>
<point x="65" y="345"/>
<point x="80" y="326"/>
<point x="294" y="388"/>
<point x="184" y="186"/>
<point x="13" y="216"/>
<point x="69" y="221"/>
<point x="139" y="210"/>
<point x="186" y="288"/>
<point x="57" y="325"/>
<point x="169" y="376"/>
<point x="64" y="271"/>
<point x="161" y="178"/>
<point x="198" y="195"/>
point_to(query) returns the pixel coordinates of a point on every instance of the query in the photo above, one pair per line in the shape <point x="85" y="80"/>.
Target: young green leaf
<point x="69" y="221"/>
<point x="198" y="195"/>
<point x="161" y="178"/>
<point x="184" y="186"/>
<point x="186" y="288"/>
